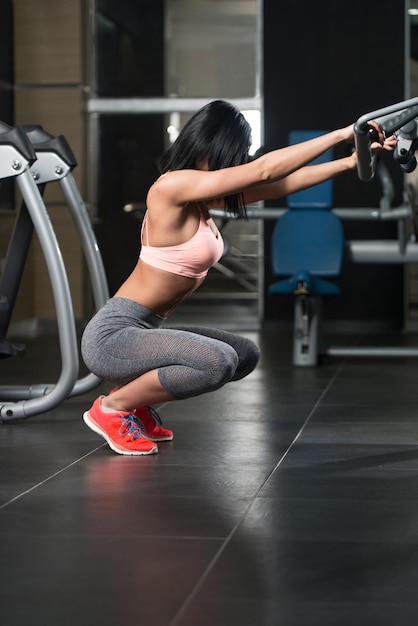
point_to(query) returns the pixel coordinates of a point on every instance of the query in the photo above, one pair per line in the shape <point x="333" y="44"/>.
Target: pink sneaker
<point x="153" y="427"/>
<point x="122" y="430"/>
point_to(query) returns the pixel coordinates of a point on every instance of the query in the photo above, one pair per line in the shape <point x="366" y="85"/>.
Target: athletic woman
<point x="126" y="342"/>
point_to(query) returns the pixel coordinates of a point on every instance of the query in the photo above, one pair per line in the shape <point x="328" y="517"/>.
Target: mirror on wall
<point x="153" y="63"/>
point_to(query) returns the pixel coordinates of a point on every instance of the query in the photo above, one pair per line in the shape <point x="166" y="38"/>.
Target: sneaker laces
<point x="131" y="425"/>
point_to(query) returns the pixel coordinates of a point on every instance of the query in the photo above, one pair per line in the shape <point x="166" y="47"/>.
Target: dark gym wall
<point x="6" y="62"/>
<point x="130" y="63"/>
<point x="325" y="64"/>
<point x="6" y="85"/>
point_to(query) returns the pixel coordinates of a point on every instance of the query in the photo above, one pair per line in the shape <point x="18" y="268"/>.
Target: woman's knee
<point x="225" y="367"/>
<point x="253" y="355"/>
<point x="249" y="358"/>
<point x="187" y="381"/>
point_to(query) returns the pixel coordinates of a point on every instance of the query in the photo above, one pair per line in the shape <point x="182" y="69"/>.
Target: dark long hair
<point x="217" y="133"/>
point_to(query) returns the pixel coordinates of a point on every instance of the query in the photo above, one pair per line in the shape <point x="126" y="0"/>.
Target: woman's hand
<point x="389" y="144"/>
<point x="378" y="139"/>
<point x="377" y="136"/>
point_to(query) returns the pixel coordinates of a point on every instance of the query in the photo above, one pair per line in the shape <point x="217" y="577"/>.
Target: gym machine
<point x="400" y="119"/>
<point x="35" y="158"/>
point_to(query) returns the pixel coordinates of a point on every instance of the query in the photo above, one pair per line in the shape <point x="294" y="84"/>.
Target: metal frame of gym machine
<point x="402" y="119"/>
<point x="35" y="158"/>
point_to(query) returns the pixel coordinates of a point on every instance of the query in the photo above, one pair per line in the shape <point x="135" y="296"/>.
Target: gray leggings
<point x="124" y="340"/>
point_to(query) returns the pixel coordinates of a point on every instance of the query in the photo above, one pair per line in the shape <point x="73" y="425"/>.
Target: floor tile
<point x="288" y="498"/>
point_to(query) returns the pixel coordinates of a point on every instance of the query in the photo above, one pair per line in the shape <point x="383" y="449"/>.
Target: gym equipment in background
<point x="399" y="119"/>
<point x="402" y="120"/>
<point x="31" y="154"/>
<point x="307" y="248"/>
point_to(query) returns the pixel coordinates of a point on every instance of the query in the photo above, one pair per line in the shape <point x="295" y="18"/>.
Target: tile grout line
<point x="180" y="613"/>
<point x="305" y="423"/>
<point x="24" y="493"/>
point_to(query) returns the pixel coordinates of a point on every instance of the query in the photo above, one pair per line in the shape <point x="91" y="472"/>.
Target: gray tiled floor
<point x="286" y="499"/>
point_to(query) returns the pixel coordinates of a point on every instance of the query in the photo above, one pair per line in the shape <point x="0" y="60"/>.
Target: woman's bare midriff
<point x="157" y="290"/>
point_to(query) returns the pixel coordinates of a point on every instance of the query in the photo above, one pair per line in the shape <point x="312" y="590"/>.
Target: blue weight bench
<point x="307" y="248"/>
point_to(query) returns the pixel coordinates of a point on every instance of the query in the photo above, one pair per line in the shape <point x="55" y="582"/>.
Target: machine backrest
<point x="317" y="197"/>
<point x="309" y="236"/>
<point x="307" y="240"/>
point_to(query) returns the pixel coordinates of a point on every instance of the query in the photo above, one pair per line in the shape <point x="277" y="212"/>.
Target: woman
<point x="126" y="342"/>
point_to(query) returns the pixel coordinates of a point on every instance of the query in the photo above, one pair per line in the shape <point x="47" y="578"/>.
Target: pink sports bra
<point x="193" y="258"/>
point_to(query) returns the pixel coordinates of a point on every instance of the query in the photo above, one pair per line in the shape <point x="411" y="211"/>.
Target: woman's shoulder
<point x="162" y="183"/>
<point x="156" y="188"/>
<point x="171" y="188"/>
